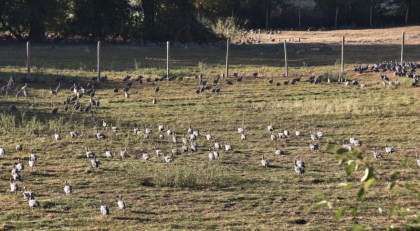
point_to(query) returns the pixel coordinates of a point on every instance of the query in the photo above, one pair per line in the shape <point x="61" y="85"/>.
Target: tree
<point x="101" y="18"/>
<point x="404" y="9"/>
<point x="31" y="16"/>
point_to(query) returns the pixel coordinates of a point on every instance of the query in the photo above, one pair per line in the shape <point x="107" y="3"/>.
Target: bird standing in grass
<point x="31" y="161"/>
<point x="104" y="209"/>
<point x="57" y="136"/>
<point x="264" y="162"/>
<point x="33" y="203"/>
<point x="100" y="135"/>
<point x="26" y="194"/>
<point x="95" y="163"/>
<point x="418" y="160"/>
<point x="376" y="154"/>
<point x="389" y="150"/>
<point x="13" y="186"/>
<point x="18" y="147"/>
<point x="299" y="169"/>
<point x="121" y="203"/>
<point x="68" y="189"/>
<point x="123" y="153"/>
<point x="2" y="152"/>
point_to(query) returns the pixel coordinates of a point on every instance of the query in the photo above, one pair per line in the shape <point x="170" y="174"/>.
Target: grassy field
<point x="234" y="192"/>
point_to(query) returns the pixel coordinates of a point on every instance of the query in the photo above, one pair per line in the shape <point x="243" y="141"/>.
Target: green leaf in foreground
<point x="357" y="228"/>
<point x="339" y="214"/>
<point x="350" y="168"/>
<point x="368" y="183"/>
<point x="361" y="194"/>
<point x="330" y="148"/>
<point x="341" y="151"/>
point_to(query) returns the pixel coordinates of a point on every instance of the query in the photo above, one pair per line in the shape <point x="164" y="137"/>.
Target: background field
<point x="234" y="192"/>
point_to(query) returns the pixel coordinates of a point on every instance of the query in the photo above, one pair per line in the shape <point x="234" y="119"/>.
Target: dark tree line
<point x="189" y="20"/>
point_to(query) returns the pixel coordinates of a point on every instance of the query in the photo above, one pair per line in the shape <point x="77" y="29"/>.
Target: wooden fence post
<point x="28" y="59"/>
<point x="285" y="59"/>
<point x="168" y="44"/>
<point x="227" y="58"/>
<point x="402" y="47"/>
<point x="342" y="56"/>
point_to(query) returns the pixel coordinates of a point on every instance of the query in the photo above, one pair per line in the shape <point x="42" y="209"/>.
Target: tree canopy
<point x="188" y="20"/>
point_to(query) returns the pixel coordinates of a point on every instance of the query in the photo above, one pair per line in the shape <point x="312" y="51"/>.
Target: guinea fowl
<point x="32" y="202"/>
<point x="121" y="203"/>
<point x="376" y="154"/>
<point x="264" y="162"/>
<point x="299" y="169"/>
<point x="104" y="209"/>
<point x="389" y="150"/>
<point x="67" y="188"/>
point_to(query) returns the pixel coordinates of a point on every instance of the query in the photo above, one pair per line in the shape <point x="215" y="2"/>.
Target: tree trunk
<point x="36" y="22"/>
<point x="149" y="13"/>
<point x="36" y="30"/>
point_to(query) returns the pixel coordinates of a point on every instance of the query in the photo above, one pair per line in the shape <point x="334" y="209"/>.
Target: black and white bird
<point x="121" y="203"/>
<point x="27" y="194"/>
<point x="313" y="147"/>
<point x="418" y="160"/>
<point x="216" y="154"/>
<point x="2" y="152"/>
<point x="57" y="136"/>
<point x="299" y="162"/>
<point x="18" y="147"/>
<point x="104" y="209"/>
<point x="100" y="135"/>
<point x="273" y="137"/>
<point x="279" y="152"/>
<point x="32" y="161"/>
<point x="376" y="154"/>
<point x="68" y="189"/>
<point x="89" y="154"/>
<point x="73" y="133"/>
<point x="299" y="169"/>
<point x="108" y="154"/>
<point x="319" y="133"/>
<point x="228" y="147"/>
<point x="211" y="155"/>
<point x="115" y="128"/>
<point x="297" y="132"/>
<point x="389" y="150"/>
<point x="168" y="159"/>
<point x="216" y="145"/>
<point x="32" y="202"/>
<point x="19" y="166"/>
<point x="241" y="130"/>
<point x="95" y="163"/>
<point x="264" y="162"/>
<point x="145" y="156"/>
<point x="123" y="153"/>
<point x="13" y="186"/>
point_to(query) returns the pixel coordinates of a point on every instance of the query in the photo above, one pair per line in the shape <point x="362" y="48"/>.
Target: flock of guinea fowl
<point x="299" y="165"/>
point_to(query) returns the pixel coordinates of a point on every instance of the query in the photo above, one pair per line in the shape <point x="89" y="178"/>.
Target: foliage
<point x="355" y="162"/>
